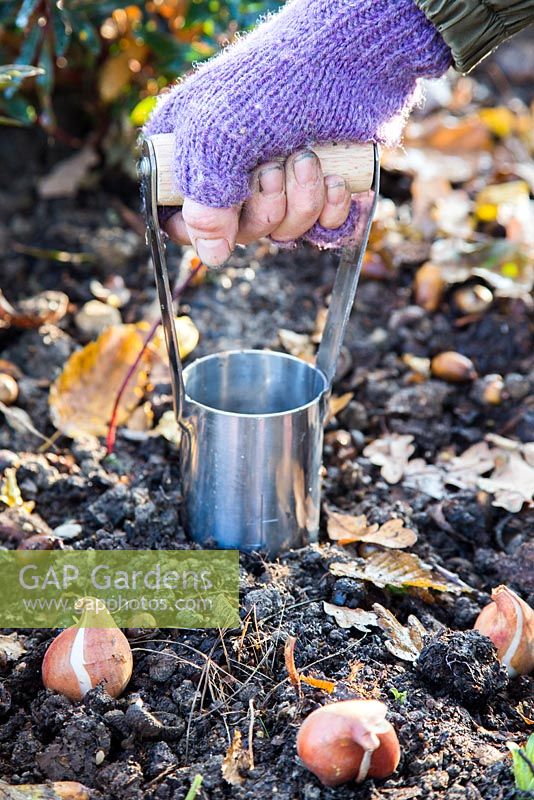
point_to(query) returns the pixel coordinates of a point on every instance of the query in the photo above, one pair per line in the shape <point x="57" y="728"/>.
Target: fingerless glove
<point x="317" y="71"/>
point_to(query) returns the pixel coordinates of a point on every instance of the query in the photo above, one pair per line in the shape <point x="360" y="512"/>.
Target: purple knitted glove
<point x="317" y="71"/>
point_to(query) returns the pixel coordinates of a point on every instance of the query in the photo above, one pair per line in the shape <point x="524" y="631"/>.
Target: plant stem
<point x="194" y="788"/>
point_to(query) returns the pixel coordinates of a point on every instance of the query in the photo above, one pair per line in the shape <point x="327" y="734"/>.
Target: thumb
<point x="212" y="231"/>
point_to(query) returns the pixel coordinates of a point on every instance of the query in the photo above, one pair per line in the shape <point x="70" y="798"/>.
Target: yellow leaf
<point x="10" y="493"/>
<point x="187" y="334"/>
<point x="115" y="73"/>
<point x="500" y="120"/>
<point x="142" y="111"/>
<point x="81" y="399"/>
<point x="337" y="404"/>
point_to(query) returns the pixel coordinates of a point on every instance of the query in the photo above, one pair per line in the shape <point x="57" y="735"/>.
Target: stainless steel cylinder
<point x="251" y="450"/>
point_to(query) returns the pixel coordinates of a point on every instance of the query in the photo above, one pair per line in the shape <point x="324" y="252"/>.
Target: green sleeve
<point x="473" y="28"/>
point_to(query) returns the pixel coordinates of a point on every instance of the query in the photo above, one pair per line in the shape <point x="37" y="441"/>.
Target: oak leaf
<point x="346" y="529"/>
<point x="397" y="569"/>
<point x="351" y="617"/>
<point x="392" y="454"/>
<point x="403" y="642"/>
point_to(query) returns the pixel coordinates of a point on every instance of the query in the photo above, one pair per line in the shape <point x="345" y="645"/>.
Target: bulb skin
<point x="349" y="741"/>
<point x="509" y="622"/>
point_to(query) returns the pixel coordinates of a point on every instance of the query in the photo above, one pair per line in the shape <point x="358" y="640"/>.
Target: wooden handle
<point x="354" y="162"/>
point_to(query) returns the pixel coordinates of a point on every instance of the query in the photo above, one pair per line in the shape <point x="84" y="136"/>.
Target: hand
<point x="285" y="202"/>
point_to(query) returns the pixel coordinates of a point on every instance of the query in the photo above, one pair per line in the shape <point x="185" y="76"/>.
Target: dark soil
<point x="190" y="691"/>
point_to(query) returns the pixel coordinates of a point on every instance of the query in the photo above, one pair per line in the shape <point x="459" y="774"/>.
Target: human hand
<point x="286" y="201"/>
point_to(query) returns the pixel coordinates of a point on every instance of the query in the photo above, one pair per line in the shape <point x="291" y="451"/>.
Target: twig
<point x="112" y="430"/>
<point x="251" y="735"/>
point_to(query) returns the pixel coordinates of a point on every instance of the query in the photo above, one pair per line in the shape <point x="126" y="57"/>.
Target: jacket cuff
<point x="473" y="28"/>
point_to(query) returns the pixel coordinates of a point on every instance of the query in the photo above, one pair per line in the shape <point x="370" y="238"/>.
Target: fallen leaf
<point x="187" y="334"/>
<point x="10" y="493"/>
<point x="46" y="307"/>
<point x="511" y="483"/>
<point x="11" y="648"/>
<point x="392" y="454"/>
<point x="398" y="569"/>
<point x="351" y="617"/>
<point x="289" y="660"/>
<point x="337" y="404"/>
<point x="426" y="478"/>
<point x="67" y="176"/>
<point x="141" y="419"/>
<point x="346" y="529"/>
<point x="319" y="683"/>
<point x="299" y="345"/>
<point x="82" y="397"/>
<point x="53" y="790"/>
<point x="405" y="643"/>
<point x="464" y="471"/>
<point x="235" y="760"/>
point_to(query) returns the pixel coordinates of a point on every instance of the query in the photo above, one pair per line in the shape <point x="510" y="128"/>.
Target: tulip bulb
<point x="350" y="740"/>
<point x="87" y="654"/>
<point x="509" y="622"/>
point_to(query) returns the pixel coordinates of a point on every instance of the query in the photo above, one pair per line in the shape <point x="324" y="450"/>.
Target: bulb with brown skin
<point x="87" y="654"/>
<point x="349" y="740"/>
<point x="509" y="622"/>
<point x="453" y="367"/>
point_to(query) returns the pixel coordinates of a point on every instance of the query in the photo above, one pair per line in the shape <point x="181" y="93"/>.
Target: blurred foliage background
<point x="110" y="59"/>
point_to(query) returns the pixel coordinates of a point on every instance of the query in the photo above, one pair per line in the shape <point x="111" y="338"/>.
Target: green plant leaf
<point x="14" y="74"/>
<point x="86" y="32"/>
<point x="523" y="765"/>
<point x="45" y="80"/>
<point x="62" y="29"/>
<point x="18" y="110"/>
<point x="26" y="10"/>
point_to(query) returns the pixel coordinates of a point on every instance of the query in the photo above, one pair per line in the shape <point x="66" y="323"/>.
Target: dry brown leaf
<point x="511" y="483"/>
<point x="351" y="617"/>
<point x="81" y="399"/>
<point x="391" y="453"/>
<point x="337" y="404"/>
<point x="10" y="648"/>
<point x="46" y="307"/>
<point x="299" y="345"/>
<point x="464" y="471"/>
<point x="405" y="643"/>
<point x="235" y="760"/>
<point x="10" y="493"/>
<point x="67" y="176"/>
<point x="347" y="529"/>
<point x="398" y="569"/>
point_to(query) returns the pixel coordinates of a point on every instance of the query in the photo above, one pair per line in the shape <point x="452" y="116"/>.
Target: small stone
<point x="517" y="385"/>
<point x="68" y="530"/>
<point x="99" y="757"/>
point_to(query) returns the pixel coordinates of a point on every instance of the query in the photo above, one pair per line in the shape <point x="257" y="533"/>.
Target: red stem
<point x="112" y="430"/>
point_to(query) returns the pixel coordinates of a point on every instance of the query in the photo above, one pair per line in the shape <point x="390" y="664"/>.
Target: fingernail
<point x="336" y="190"/>
<point x="271" y="180"/>
<point x="306" y="168"/>
<point x="213" y="252"/>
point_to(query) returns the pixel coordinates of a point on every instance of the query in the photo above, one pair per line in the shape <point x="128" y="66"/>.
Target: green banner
<point x="140" y="588"/>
